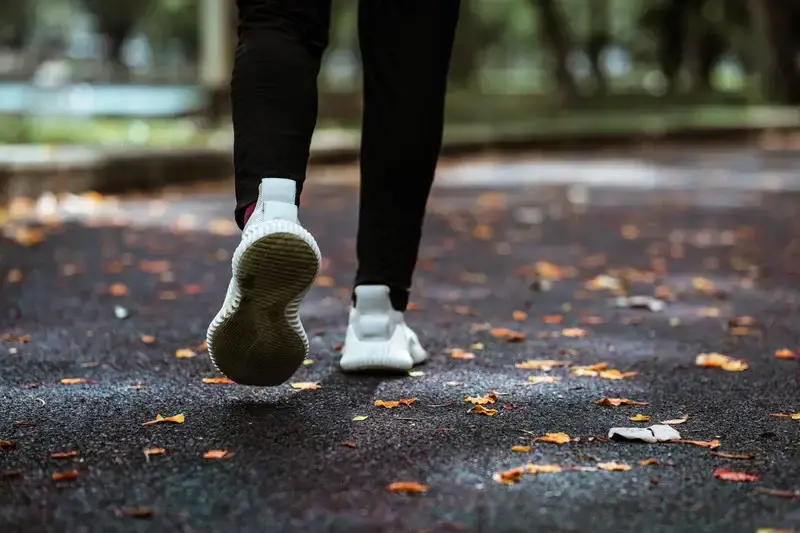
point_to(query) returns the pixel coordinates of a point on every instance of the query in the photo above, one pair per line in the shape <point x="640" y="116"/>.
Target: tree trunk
<point x="782" y="73"/>
<point x="599" y="39"/>
<point x="558" y="40"/>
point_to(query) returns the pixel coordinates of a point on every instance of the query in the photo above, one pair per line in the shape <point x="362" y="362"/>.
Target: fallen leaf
<point x="416" y="373"/>
<point x="704" y="285"/>
<point x="136" y="512"/>
<point x="217" y="454"/>
<point x="306" y="385"/>
<point x="725" y="455"/>
<point x="27" y="236"/>
<point x="412" y="306"/>
<point x="731" y="475"/>
<point x="175" y="419"/>
<point x="629" y="232"/>
<point x="118" y="289"/>
<point x="792" y="494"/>
<point x="640" y="418"/>
<point x="387" y="405"/>
<point x="534" y="469"/>
<point x="589" y="370"/>
<point x="520" y="448"/>
<point x="717" y="360"/>
<point x="676" y="421"/>
<point x="408" y="487"/>
<point x="324" y="281"/>
<point x="549" y="270"/>
<point x="793" y="416"/>
<point x="481" y="410"/>
<point x="507" y="334"/>
<point x="10" y="337"/>
<point x="458" y="353"/>
<point x="785" y="353"/>
<point x="773" y="530"/>
<point x="69" y="475"/>
<point x="308" y="362"/>
<point x="540" y="364"/>
<point x="647" y="462"/>
<point x="154" y="451"/>
<point x="709" y="312"/>
<point x="7" y="444"/>
<point x="185" y="353"/>
<point x="613" y="373"/>
<point x="193" y="289"/>
<point x="543" y="379"/>
<point x="509" y="477"/>
<point x="703" y="444"/>
<point x="218" y="381"/>
<point x="349" y="444"/>
<point x="482" y="400"/>
<point x="519" y="316"/>
<point x="147" y="339"/>
<point x="360" y="418"/>
<point x="574" y="332"/>
<point x="407" y="401"/>
<point x="614" y="467"/>
<point x="616" y="402"/>
<point x="552" y="319"/>
<point x="10" y="474"/>
<point x="554" y="438"/>
<point x="73" y="381"/>
<point x="14" y="275"/>
<point x="63" y="455"/>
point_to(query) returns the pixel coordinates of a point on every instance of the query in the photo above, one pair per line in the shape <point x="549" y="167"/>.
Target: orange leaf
<point x="137" y="512"/>
<point x="408" y="487"/>
<point x="412" y="306"/>
<point x="387" y="405"/>
<point x="590" y="370"/>
<point x="155" y="451"/>
<point x="63" y="455"/>
<point x="520" y="449"/>
<point x="148" y="339"/>
<point x="482" y="400"/>
<point x="324" y="281"/>
<point x="616" y="402"/>
<point x="507" y="334"/>
<point x="14" y="275"/>
<point x="543" y="379"/>
<point x="614" y="467"/>
<point x="540" y="364"/>
<point x="613" y="373"/>
<point x="407" y="401"/>
<point x="531" y="468"/>
<point x="185" y="353"/>
<point x="69" y="475"/>
<point x="118" y="289"/>
<point x="519" y="316"/>
<point x="458" y="353"/>
<point x="640" y="418"/>
<point x="549" y="270"/>
<point x="725" y="455"/>
<point x="349" y="444"/>
<point x="703" y="444"/>
<point x="554" y="438"/>
<point x="574" y="332"/>
<point x="217" y="454"/>
<point x="176" y="419"/>
<point x="717" y="360"/>
<point x="481" y="410"/>
<point x="218" y="381"/>
<point x="785" y="353"/>
<point x="509" y="477"/>
<point x="306" y="385"/>
<point x="192" y="289"/>
<point x="10" y="337"/>
<point x="793" y="416"/>
<point x="646" y="462"/>
<point x="731" y="475"/>
<point x="552" y="319"/>
<point x="73" y="381"/>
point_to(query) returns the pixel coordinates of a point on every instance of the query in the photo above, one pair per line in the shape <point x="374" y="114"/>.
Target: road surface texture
<point x="117" y="296"/>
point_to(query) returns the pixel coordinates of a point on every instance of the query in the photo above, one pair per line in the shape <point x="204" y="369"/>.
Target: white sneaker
<point x="377" y="335"/>
<point x="257" y="338"/>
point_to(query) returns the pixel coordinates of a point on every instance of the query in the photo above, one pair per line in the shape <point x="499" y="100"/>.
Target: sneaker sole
<point x="259" y="339"/>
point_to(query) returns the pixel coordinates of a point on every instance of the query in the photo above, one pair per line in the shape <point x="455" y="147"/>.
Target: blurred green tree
<point x="116" y="19"/>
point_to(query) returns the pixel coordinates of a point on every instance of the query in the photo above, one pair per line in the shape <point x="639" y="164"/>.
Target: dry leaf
<point x="549" y="270"/>
<point x="613" y="373"/>
<point x="154" y="451"/>
<point x="614" y="467"/>
<point x="408" y="487"/>
<point x="616" y="402"/>
<point x="780" y="493"/>
<point x="482" y="400"/>
<point x="185" y="353"/>
<point x="360" y="418"/>
<point x="147" y="339"/>
<point x="507" y="334"/>
<point x="7" y="444"/>
<point x="349" y="444"/>
<point x="458" y="353"/>
<point x="324" y="281"/>
<point x="717" y="360"/>
<point x="217" y="454"/>
<point x="218" y="381"/>
<point x="481" y="410"/>
<point x="725" y="455"/>
<point x="73" y="381"/>
<point x="543" y="379"/>
<point x="676" y="421"/>
<point x="137" y="512"/>
<point x="639" y="418"/>
<point x="69" y="475"/>
<point x="590" y="370"/>
<point x="785" y="353"/>
<point x="703" y="444"/>
<point x="520" y="449"/>
<point x="118" y="289"/>
<point x="574" y="332"/>
<point x="647" y="462"/>
<point x="731" y="475"/>
<point x="533" y="469"/>
<point x="519" y="316"/>
<point x="387" y="405"/>
<point x="308" y="362"/>
<point x="28" y="236"/>
<point x="193" y="289"/>
<point x="540" y="364"/>
<point x="10" y="337"/>
<point x="63" y="455"/>
<point x="407" y="401"/>
<point x="704" y="285"/>
<point x="176" y="419"/>
<point x="14" y="275"/>
<point x="552" y="319"/>
<point x="509" y="477"/>
<point x="793" y="416"/>
<point x="306" y="385"/>
<point x="554" y="438"/>
<point x="773" y="530"/>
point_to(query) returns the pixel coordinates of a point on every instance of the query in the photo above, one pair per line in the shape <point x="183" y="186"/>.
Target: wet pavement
<point x="117" y="288"/>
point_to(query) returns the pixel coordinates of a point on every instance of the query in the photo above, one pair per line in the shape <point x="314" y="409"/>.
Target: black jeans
<point x="405" y="48"/>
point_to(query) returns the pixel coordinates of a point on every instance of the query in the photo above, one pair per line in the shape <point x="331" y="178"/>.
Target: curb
<point x="115" y="171"/>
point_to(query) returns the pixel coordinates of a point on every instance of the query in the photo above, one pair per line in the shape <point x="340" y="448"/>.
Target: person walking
<point x="257" y="337"/>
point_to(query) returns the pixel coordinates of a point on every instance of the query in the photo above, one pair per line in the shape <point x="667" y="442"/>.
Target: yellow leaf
<point x="148" y="339"/>
<point x="554" y="438"/>
<point x="176" y="419"/>
<point x="73" y="381"/>
<point x="482" y="400"/>
<point x="519" y="316"/>
<point x="675" y="421"/>
<point x="793" y="416"/>
<point x="325" y="281"/>
<point x="531" y="468"/>
<point x="711" y="444"/>
<point x="616" y="402"/>
<point x="520" y="449"/>
<point x="507" y="334"/>
<point x="458" y="353"/>
<point x="360" y="418"/>
<point x="218" y="381"/>
<point x="481" y="410"/>
<point x="613" y="373"/>
<point x="185" y="353"/>
<point x="509" y="477"/>
<point x="543" y="379"/>
<point x="308" y="362"/>
<point x="217" y="454"/>
<point x="640" y="418"/>
<point x="306" y="385"/>
<point x="574" y="332"/>
<point x="614" y="467"/>
<point x="540" y="364"/>
<point x="646" y="462"/>
<point x="155" y="451"/>
<point x="408" y="487"/>
<point x="717" y="360"/>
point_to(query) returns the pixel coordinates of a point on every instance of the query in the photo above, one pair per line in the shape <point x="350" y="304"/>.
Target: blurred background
<point x="156" y="72"/>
